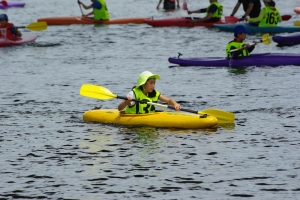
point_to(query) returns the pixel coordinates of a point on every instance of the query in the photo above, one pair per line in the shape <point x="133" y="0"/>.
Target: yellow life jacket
<point x="141" y="108"/>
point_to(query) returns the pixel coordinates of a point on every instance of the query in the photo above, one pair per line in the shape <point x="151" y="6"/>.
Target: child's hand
<point x="177" y="106"/>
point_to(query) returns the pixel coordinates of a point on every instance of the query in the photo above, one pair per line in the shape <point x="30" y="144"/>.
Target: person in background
<point x="238" y="44"/>
<point x="269" y="15"/>
<point x="213" y="12"/>
<point x="168" y="4"/>
<point x="8" y="29"/>
<point x="145" y="91"/>
<point x="251" y="8"/>
<point x="99" y="9"/>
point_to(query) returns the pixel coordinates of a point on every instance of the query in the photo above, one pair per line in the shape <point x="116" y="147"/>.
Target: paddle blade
<point x="297" y="23"/>
<point x="221" y="115"/>
<point x="37" y="26"/>
<point x="4" y="3"/>
<point x="286" y="17"/>
<point x="184" y="6"/>
<point x="266" y="39"/>
<point x="97" y="92"/>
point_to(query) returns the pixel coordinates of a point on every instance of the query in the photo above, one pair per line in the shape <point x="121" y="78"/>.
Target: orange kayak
<point x="86" y="20"/>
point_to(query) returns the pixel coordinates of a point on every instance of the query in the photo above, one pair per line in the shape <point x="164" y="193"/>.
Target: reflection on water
<point x="238" y="70"/>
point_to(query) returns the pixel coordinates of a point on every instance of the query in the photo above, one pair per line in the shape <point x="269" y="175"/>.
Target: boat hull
<point x="12" y="4"/>
<point x="266" y="59"/>
<point x="179" y="22"/>
<point x="4" y="42"/>
<point x="287" y="40"/>
<point x="158" y="119"/>
<point x="256" y="29"/>
<point x="85" y="20"/>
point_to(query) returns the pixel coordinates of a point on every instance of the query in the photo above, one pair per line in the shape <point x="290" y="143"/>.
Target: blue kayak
<point x="287" y="40"/>
<point x="259" y="60"/>
<point x="256" y="29"/>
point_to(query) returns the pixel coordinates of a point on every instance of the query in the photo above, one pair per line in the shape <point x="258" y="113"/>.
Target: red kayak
<point x="86" y="20"/>
<point x="4" y="42"/>
<point x="181" y="22"/>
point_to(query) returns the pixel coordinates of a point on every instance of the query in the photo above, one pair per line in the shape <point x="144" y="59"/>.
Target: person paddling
<point x="99" y="9"/>
<point x="251" y="8"/>
<point x="237" y="47"/>
<point x="168" y="4"/>
<point x="269" y="15"/>
<point x="145" y="91"/>
<point x="8" y="30"/>
<point x="213" y="12"/>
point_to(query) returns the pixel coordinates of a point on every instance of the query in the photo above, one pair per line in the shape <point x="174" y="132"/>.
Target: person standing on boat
<point x="269" y="15"/>
<point x="168" y="4"/>
<point x="251" y="8"/>
<point x="237" y="47"/>
<point x="8" y="30"/>
<point x="99" y="9"/>
<point x="144" y="91"/>
<point x="213" y="12"/>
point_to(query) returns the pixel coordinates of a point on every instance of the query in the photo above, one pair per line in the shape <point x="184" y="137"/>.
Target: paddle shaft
<point x="80" y="8"/>
<point x="260" y="41"/>
<point x="234" y="50"/>
<point x="157" y="104"/>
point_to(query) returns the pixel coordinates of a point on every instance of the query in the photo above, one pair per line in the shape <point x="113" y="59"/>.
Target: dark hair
<point x="272" y="3"/>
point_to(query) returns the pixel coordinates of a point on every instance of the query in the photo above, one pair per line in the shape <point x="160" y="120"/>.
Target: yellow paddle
<point x="35" y="26"/>
<point x="265" y="40"/>
<point x="100" y="92"/>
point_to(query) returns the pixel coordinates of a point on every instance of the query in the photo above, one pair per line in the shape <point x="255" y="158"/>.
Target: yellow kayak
<point x="158" y="119"/>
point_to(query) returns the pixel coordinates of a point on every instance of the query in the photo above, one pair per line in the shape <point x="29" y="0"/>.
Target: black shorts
<point x="169" y="5"/>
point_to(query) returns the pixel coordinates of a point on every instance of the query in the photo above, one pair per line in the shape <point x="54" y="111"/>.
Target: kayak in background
<point x="11" y="4"/>
<point x="86" y="20"/>
<point x="180" y="22"/>
<point x="162" y="119"/>
<point x="287" y="40"/>
<point x="259" y="60"/>
<point x="28" y="38"/>
<point x="256" y="29"/>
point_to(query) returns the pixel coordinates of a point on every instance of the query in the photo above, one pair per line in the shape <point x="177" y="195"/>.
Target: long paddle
<point x="265" y="40"/>
<point x="4" y="3"/>
<point x="185" y="7"/>
<point x="35" y="26"/>
<point x="233" y="20"/>
<point x="100" y="92"/>
<point x="80" y="7"/>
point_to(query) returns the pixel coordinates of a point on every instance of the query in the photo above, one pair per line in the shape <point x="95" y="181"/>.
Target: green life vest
<point x="101" y="14"/>
<point x="237" y="45"/>
<point x="142" y="108"/>
<point x="271" y="17"/>
<point x="219" y="12"/>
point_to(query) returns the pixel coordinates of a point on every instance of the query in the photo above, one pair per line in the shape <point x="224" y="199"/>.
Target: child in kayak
<point x="237" y="47"/>
<point x="8" y="30"/>
<point x="144" y="91"/>
<point x="168" y="4"/>
<point x="269" y="15"/>
<point x="213" y="12"/>
<point x="99" y="9"/>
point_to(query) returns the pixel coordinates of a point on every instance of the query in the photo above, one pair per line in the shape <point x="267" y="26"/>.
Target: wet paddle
<point x="184" y="6"/>
<point x="4" y="3"/>
<point x="233" y="20"/>
<point x="35" y="26"/>
<point x="100" y="92"/>
<point x="265" y="40"/>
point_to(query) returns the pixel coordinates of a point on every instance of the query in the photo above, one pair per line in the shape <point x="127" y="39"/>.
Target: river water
<point x="48" y="152"/>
